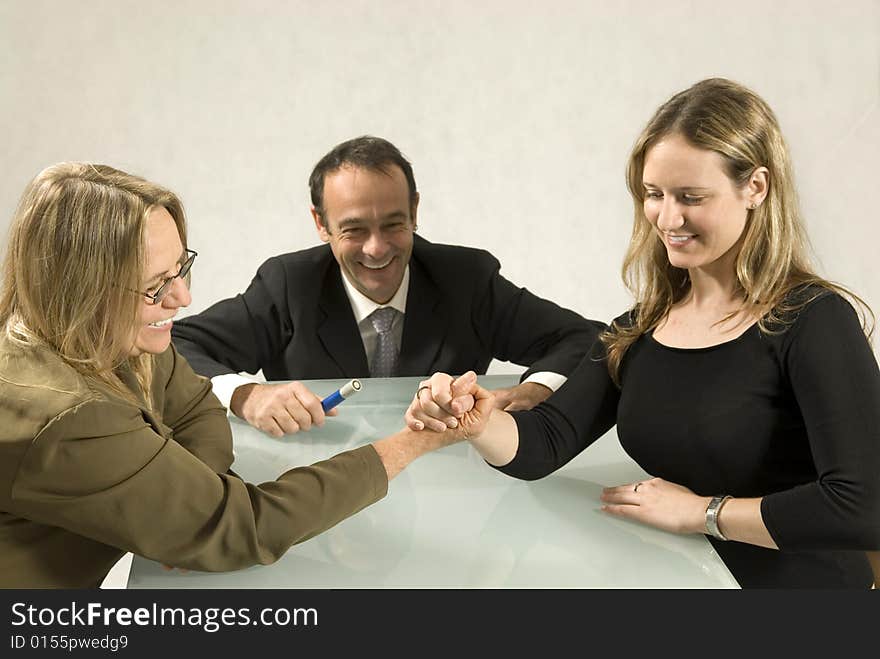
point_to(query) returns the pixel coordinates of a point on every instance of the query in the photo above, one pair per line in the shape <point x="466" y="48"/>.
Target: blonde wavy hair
<point x="731" y="120"/>
<point x="75" y="254"/>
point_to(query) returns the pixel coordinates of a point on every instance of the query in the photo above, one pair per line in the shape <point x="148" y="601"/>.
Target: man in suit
<point x="374" y="301"/>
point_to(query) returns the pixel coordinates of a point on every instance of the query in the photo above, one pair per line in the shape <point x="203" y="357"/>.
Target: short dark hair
<point x="366" y="151"/>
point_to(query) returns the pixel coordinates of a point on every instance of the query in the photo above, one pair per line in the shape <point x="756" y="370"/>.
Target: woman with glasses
<point x="108" y="440"/>
<point x="740" y="379"/>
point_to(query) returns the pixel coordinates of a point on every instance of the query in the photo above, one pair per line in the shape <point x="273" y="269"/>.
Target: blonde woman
<point x="108" y="441"/>
<point x="740" y="379"/>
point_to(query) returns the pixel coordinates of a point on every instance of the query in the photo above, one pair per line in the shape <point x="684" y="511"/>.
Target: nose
<point x="376" y="247"/>
<point x="178" y="296"/>
<point x="671" y="216"/>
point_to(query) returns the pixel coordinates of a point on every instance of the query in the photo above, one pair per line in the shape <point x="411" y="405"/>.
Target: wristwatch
<point x="712" y="511"/>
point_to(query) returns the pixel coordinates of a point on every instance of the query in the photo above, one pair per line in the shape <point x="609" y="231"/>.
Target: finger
<point x="429" y="410"/>
<point x="311" y="404"/>
<point x="622" y="510"/>
<point x="462" y="404"/>
<point x="269" y="426"/>
<point x="625" y="497"/>
<point x="461" y="388"/>
<point x="441" y="391"/>
<point x="430" y="422"/>
<point x="484" y="400"/>
<point x="411" y="422"/>
<point x="286" y="422"/>
<point x="626" y="487"/>
<point x="300" y="415"/>
<point x="464" y="383"/>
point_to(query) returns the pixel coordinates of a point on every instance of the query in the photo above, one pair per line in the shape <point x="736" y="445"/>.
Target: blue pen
<point x="341" y="394"/>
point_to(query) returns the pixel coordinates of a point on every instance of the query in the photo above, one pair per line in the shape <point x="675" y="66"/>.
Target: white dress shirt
<point x="362" y="307"/>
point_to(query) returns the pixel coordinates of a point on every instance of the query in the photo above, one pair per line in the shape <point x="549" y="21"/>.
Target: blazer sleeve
<point x="557" y="430"/>
<point x="241" y="333"/>
<point x="98" y="470"/>
<point x="192" y="412"/>
<point x="835" y="380"/>
<point x="528" y="330"/>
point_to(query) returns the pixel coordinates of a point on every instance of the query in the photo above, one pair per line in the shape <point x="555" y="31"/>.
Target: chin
<point x="680" y="261"/>
<point x="152" y="348"/>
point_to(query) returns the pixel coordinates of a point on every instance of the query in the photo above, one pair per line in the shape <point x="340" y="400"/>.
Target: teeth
<point x="376" y="267"/>
<point x="161" y="323"/>
<point x="679" y="239"/>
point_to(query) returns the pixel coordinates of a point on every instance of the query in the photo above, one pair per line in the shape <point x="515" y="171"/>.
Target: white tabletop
<point x="451" y="521"/>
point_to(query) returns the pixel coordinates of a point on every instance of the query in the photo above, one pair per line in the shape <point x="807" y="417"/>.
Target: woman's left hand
<point x="659" y="503"/>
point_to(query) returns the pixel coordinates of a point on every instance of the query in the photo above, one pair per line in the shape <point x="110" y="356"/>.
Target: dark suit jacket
<point x="295" y="321"/>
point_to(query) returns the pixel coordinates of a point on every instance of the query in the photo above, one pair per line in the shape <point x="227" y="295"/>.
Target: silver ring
<point x="636" y="488"/>
<point x="420" y="390"/>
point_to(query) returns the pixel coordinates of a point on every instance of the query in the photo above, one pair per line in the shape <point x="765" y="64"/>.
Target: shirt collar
<point x="362" y="306"/>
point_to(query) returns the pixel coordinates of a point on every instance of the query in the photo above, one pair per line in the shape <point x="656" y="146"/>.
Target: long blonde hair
<point x="74" y="255"/>
<point x="731" y="120"/>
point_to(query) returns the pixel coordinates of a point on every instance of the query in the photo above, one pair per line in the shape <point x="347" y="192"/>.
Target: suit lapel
<point x="338" y="330"/>
<point x="424" y="324"/>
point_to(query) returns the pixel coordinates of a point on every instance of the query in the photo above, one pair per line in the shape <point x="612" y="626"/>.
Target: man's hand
<point x="521" y="397"/>
<point x="278" y="409"/>
<point x="440" y="402"/>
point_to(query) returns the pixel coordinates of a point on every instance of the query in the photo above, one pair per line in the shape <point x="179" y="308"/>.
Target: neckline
<point x="714" y="346"/>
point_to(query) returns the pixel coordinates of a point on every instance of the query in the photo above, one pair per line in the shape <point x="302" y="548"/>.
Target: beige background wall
<point x="517" y="116"/>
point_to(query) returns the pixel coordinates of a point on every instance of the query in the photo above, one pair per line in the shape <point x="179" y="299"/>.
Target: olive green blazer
<point x="86" y="475"/>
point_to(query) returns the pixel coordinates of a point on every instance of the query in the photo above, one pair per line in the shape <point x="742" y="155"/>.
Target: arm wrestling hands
<point x="445" y="398"/>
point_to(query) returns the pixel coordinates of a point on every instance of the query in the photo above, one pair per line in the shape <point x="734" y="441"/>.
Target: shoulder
<point x="441" y="257"/>
<point x="812" y="321"/>
<point x="36" y="387"/>
<point x="311" y="261"/>
<point x="812" y="306"/>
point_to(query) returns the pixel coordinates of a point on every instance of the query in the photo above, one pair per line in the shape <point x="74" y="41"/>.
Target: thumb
<point x="464" y="383"/>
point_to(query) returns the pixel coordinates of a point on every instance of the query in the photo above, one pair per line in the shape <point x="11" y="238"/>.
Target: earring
<point x="753" y="206"/>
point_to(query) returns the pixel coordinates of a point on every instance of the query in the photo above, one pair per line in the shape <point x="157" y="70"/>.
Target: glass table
<point x="452" y="521"/>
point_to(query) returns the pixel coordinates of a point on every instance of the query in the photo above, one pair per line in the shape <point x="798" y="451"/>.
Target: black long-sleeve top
<point x="793" y="417"/>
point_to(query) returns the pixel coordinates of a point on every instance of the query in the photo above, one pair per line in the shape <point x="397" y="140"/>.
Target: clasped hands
<point x="441" y="400"/>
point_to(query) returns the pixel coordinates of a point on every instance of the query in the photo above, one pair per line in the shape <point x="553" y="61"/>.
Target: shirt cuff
<point x="224" y="385"/>
<point x="550" y="380"/>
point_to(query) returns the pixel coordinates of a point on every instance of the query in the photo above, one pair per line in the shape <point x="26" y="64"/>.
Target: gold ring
<point x="636" y="488"/>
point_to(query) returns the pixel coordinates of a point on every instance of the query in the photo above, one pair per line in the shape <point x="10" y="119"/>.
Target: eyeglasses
<point x="165" y="286"/>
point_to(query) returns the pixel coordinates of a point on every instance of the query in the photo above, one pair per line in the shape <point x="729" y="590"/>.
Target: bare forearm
<point x="401" y="448"/>
<point x="499" y="442"/>
<point x="741" y="520"/>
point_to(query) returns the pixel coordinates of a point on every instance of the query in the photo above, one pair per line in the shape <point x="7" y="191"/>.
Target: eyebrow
<point x="349" y="221"/>
<point x="685" y="188"/>
<point x="159" y="275"/>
